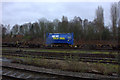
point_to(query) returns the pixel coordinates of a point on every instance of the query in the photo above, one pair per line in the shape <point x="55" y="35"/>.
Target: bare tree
<point x="4" y="31"/>
<point x="64" y="24"/>
<point x="55" y="23"/>
<point x="114" y="19"/>
<point x="119" y="26"/>
<point x="118" y="20"/>
<point x="15" y="29"/>
<point x="100" y="21"/>
<point x="118" y="14"/>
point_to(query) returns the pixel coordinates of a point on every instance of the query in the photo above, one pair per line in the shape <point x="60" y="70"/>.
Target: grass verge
<point x="68" y="65"/>
<point x="64" y="51"/>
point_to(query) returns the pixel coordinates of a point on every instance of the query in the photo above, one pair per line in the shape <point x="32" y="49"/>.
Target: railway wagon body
<point x="59" y="38"/>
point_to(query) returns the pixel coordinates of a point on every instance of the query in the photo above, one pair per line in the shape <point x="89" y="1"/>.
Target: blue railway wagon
<point x="59" y="38"/>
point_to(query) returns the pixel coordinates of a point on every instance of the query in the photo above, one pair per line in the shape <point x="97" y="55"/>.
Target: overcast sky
<point x="24" y="12"/>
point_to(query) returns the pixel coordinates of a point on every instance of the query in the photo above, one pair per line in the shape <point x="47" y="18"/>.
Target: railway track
<point x="61" y="56"/>
<point x="19" y="71"/>
<point x="62" y="48"/>
<point x="47" y="53"/>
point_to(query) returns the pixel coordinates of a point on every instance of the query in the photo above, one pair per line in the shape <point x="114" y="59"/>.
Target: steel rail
<point x="54" y="72"/>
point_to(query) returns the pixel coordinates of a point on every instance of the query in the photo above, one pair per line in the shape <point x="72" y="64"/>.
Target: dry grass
<point x="75" y="66"/>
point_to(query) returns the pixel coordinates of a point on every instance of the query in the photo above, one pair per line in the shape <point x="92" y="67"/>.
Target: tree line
<point x="82" y="29"/>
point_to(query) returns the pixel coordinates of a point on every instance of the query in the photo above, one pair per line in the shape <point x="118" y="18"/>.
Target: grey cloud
<point x="21" y="12"/>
